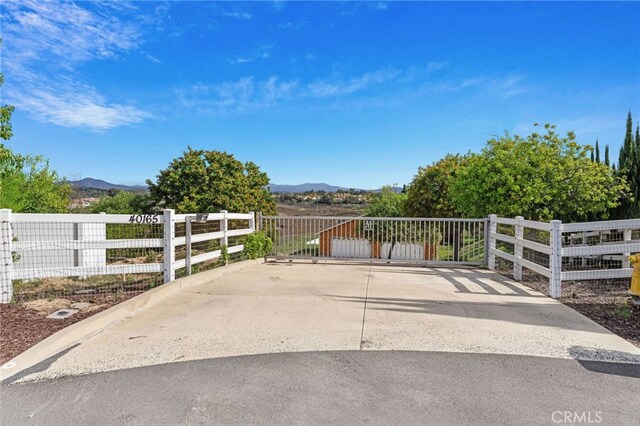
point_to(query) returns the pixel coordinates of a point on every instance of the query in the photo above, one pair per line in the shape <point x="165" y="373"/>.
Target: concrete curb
<point x="82" y="330"/>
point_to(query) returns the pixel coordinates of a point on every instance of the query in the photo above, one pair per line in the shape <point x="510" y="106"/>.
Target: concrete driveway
<point x="292" y="307"/>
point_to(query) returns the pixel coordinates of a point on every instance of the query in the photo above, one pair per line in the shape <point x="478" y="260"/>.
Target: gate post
<point x="169" y="247"/>
<point x="517" y="248"/>
<point x="491" y="242"/>
<point x="555" y="260"/>
<point x="625" y="255"/>
<point x="6" y="260"/>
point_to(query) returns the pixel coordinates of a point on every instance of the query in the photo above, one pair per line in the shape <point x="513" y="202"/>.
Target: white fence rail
<point x="564" y="252"/>
<point x="35" y="246"/>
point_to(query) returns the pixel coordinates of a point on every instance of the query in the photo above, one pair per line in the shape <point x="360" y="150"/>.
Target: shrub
<point x="257" y="245"/>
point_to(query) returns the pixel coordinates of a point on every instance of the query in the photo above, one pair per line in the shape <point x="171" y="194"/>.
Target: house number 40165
<point x="144" y="218"/>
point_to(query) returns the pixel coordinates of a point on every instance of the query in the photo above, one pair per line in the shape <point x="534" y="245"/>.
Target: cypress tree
<point x="625" y="159"/>
<point x="635" y="173"/>
<point x="592" y="159"/>
<point x="597" y="152"/>
<point x="628" y="169"/>
<point x="606" y="155"/>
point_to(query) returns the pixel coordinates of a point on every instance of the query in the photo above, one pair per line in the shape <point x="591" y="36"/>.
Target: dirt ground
<point x="302" y="209"/>
<point x="603" y="301"/>
<point x="22" y="325"/>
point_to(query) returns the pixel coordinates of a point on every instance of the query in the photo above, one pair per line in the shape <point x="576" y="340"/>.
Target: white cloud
<point x="44" y="43"/>
<point x="435" y="66"/>
<point x="151" y="58"/>
<point x="292" y="25"/>
<point x="234" y="97"/>
<point x="340" y="87"/>
<point x="262" y="52"/>
<point x="65" y="31"/>
<point x="238" y="15"/>
<point x="382" y="88"/>
<point x="64" y="102"/>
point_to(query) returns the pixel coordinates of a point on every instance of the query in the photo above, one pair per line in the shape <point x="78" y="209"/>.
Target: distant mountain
<point x="101" y="184"/>
<point x="304" y="187"/>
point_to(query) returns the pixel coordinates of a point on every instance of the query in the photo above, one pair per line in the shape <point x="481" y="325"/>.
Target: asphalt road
<point x="348" y="387"/>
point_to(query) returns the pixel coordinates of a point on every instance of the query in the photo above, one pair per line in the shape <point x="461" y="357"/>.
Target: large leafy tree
<point x="123" y="202"/>
<point x="210" y="181"/>
<point x="542" y="176"/>
<point x="5" y="114"/>
<point x="28" y="185"/>
<point x="386" y="203"/>
<point x="428" y="193"/>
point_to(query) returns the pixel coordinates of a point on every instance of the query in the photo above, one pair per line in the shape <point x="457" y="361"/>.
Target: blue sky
<point x="353" y="94"/>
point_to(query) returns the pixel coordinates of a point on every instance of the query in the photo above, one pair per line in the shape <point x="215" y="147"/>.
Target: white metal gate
<point x="377" y="239"/>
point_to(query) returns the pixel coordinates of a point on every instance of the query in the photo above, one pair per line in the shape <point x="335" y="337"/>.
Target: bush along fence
<point x="563" y="251"/>
<point x="80" y="255"/>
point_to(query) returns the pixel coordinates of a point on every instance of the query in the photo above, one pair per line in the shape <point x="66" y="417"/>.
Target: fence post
<point x="224" y="227"/>
<point x="169" y="247"/>
<point x="6" y="260"/>
<point x="517" y="248"/>
<point x="187" y="246"/>
<point x="491" y="242"/>
<point x="91" y="232"/>
<point x="626" y="254"/>
<point x="555" y="260"/>
<point x="252" y="222"/>
<point x="259" y="221"/>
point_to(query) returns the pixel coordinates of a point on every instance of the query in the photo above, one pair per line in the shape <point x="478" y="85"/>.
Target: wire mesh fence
<point x="84" y="259"/>
<point x="375" y="239"/>
<point x="79" y="257"/>
<point x="563" y="252"/>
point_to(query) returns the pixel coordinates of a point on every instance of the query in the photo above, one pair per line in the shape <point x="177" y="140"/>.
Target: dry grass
<point x="303" y="209"/>
<point x="46" y="307"/>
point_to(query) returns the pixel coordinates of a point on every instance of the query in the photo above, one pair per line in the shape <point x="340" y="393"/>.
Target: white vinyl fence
<point x="46" y="246"/>
<point x="564" y="251"/>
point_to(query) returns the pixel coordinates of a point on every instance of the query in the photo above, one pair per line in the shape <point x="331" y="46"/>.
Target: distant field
<point x="320" y="209"/>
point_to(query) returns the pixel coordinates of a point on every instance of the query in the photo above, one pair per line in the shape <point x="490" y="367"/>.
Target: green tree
<point x="625" y="157"/>
<point x="541" y="177"/>
<point x="606" y="155"/>
<point x="597" y="152"/>
<point x="123" y="202"/>
<point x="6" y="132"/>
<point x="28" y="185"/>
<point x="428" y="194"/>
<point x="629" y="170"/>
<point x="210" y="181"/>
<point x="386" y="203"/>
